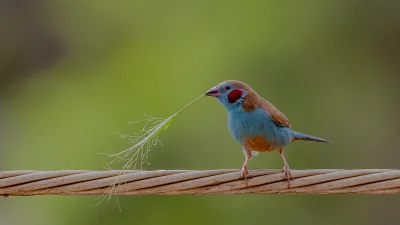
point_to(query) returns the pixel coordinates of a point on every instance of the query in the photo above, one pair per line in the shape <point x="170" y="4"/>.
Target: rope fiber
<point x="190" y="182"/>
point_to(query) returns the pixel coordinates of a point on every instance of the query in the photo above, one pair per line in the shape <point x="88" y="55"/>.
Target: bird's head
<point x="230" y="94"/>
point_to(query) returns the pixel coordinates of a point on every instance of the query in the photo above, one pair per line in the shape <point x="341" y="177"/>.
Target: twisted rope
<point x="189" y="182"/>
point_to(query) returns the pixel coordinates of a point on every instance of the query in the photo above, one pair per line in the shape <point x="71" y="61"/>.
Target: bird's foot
<point x="286" y="172"/>
<point x="244" y="173"/>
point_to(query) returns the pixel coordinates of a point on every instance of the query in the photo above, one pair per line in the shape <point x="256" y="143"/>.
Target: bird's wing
<point x="253" y="100"/>
<point x="278" y="117"/>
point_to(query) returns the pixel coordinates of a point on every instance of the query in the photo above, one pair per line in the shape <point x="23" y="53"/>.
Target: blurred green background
<point x="72" y="72"/>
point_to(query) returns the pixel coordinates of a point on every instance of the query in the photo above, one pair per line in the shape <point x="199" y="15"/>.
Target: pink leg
<point x="286" y="169"/>
<point x="245" y="171"/>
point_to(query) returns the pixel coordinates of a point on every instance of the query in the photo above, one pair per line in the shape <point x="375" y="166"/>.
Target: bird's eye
<point x="227" y="88"/>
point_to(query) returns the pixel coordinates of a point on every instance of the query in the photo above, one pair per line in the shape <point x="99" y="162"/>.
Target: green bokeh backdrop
<point x="330" y="66"/>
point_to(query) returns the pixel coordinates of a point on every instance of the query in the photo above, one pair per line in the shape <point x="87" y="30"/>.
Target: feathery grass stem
<point x="143" y="141"/>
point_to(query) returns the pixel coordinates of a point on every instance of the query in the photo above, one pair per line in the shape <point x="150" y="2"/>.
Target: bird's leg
<point x="286" y="169"/>
<point x="245" y="171"/>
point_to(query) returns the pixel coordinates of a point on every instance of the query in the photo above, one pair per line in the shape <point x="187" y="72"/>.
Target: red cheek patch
<point x="235" y="95"/>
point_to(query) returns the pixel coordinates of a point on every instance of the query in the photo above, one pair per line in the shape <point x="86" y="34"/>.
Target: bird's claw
<point x="244" y="173"/>
<point x="287" y="174"/>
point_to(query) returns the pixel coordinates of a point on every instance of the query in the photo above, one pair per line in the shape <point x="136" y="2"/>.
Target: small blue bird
<point x="255" y="123"/>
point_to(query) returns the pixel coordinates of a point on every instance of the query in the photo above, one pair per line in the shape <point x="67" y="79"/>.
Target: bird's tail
<point x="306" y="137"/>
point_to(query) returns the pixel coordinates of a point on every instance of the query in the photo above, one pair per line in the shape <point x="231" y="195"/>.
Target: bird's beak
<point x="213" y="92"/>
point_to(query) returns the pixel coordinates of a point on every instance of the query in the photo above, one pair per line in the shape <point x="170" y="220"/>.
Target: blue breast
<point x="257" y="123"/>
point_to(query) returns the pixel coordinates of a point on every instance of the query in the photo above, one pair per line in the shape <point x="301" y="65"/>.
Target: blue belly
<point x="257" y="123"/>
